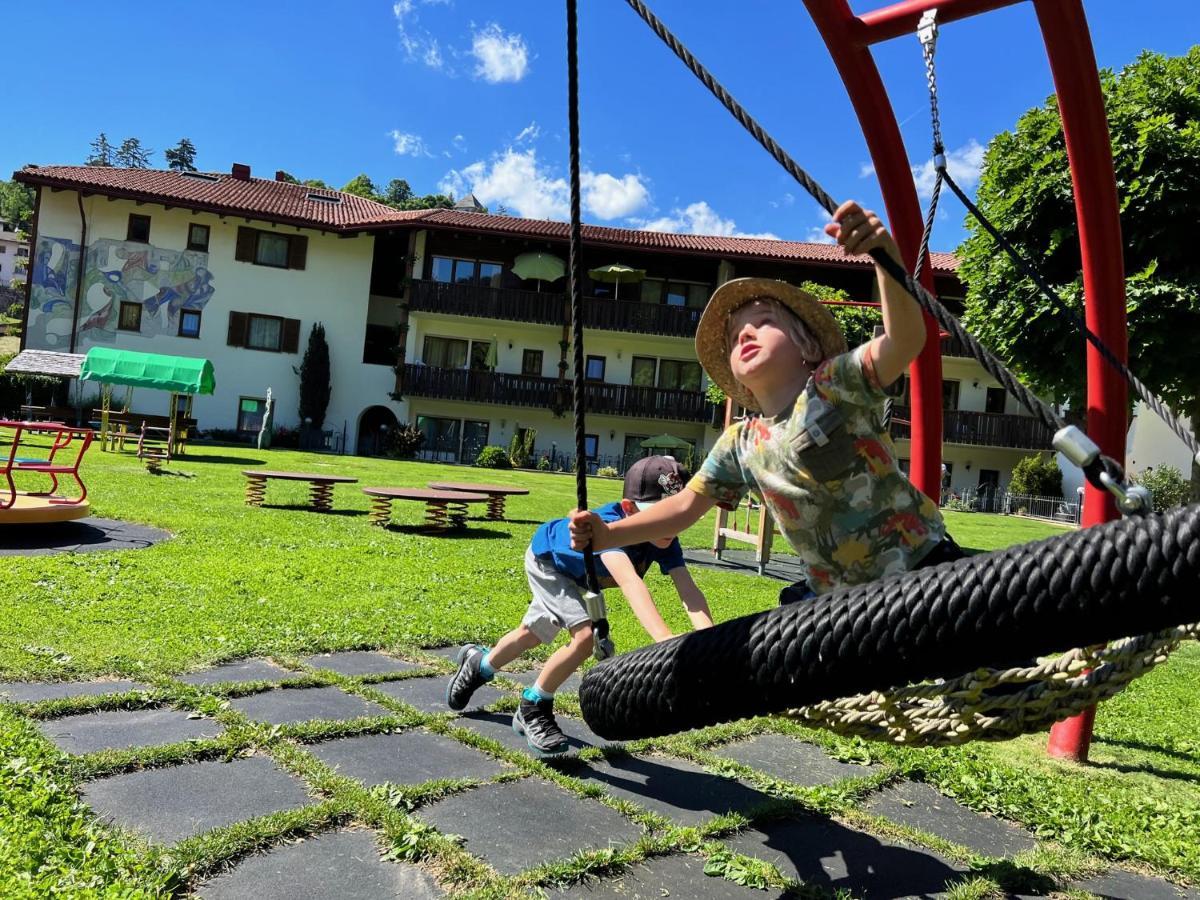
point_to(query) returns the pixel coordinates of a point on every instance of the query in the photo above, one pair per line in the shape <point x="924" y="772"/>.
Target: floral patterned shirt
<point x="827" y="471"/>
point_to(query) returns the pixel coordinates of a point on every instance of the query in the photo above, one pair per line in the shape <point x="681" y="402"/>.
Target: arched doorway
<point x="374" y="426"/>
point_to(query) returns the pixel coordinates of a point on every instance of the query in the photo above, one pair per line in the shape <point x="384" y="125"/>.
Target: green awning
<point x="180" y="374"/>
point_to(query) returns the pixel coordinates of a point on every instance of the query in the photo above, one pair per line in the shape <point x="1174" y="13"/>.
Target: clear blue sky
<point x="466" y="94"/>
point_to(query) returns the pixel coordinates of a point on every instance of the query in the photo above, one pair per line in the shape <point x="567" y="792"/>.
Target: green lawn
<point x="236" y="581"/>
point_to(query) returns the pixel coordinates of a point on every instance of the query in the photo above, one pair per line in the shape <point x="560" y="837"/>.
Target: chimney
<point x="241" y="171"/>
<point x="280" y="175"/>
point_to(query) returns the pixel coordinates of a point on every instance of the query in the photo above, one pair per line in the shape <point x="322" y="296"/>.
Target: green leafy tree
<point x="1167" y="484"/>
<point x="429" y="201"/>
<point x="16" y="204"/>
<point x="1037" y="475"/>
<point x="1153" y="108"/>
<point x="857" y="322"/>
<point x="315" y="183"/>
<point x="397" y="193"/>
<point x="132" y="155"/>
<point x="314" y="378"/>
<point x="181" y="157"/>
<point x="103" y="152"/>
<point x="361" y="186"/>
<point x="286" y="177"/>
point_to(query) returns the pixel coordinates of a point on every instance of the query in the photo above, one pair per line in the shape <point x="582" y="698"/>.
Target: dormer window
<point x="324" y="198"/>
<point x="200" y="176"/>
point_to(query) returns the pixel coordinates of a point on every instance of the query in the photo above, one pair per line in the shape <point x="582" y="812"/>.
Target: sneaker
<point x="468" y="678"/>
<point x="536" y="722"/>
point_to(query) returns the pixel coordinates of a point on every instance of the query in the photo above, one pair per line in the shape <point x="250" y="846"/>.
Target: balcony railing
<point x="960" y="426"/>
<point x="550" y="308"/>
<point x="546" y="393"/>
<point x="952" y="346"/>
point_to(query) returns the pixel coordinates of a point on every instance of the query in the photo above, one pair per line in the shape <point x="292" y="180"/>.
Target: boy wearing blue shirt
<point x="557" y="581"/>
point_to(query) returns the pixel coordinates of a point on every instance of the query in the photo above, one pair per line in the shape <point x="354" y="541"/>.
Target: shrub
<point x="714" y="394"/>
<point x="286" y="438"/>
<point x="226" y="436"/>
<point x="543" y="464"/>
<point x="606" y="472"/>
<point x="956" y="505"/>
<point x="520" y="448"/>
<point x="403" y="442"/>
<point x="493" y="457"/>
<point x="1037" y="476"/>
<point x="1167" y="484"/>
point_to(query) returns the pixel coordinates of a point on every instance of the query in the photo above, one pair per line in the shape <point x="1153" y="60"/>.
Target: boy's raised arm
<point x="664" y="519"/>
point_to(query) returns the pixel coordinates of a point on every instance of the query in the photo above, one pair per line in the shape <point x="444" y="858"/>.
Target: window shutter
<point x="297" y="251"/>
<point x="290" y="341"/>
<point x="245" y="244"/>
<point x="238" y="323"/>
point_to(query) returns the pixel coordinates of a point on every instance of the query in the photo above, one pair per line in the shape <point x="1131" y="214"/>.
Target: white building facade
<point x="14" y="256"/>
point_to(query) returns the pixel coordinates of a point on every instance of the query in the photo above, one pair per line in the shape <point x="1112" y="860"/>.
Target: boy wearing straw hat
<point x="814" y="447"/>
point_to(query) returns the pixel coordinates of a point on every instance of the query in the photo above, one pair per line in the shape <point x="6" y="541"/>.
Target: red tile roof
<point x="278" y="201"/>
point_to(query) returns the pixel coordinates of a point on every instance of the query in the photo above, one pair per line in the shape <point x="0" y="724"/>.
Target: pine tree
<point x="102" y="152"/>
<point x="132" y="155"/>
<point x="314" y="378"/>
<point x="181" y="157"/>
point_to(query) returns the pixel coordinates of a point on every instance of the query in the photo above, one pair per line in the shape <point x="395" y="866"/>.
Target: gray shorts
<point x="557" y="600"/>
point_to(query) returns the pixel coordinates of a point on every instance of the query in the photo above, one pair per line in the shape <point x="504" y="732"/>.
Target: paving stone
<point x="354" y="663"/>
<point x="168" y="805"/>
<point x="37" y="691"/>
<point x="498" y="727"/>
<point x="679" y="790"/>
<point x="429" y="694"/>
<point x="290" y="706"/>
<point x="411" y="757"/>
<point x="122" y="729"/>
<point x="450" y="654"/>
<point x="790" y="759"/>
<point x="344" y="864"/>
<point x="242" y="670"/>
<point x="521" y="824"/>
<point x="829" y="855"/>
<point x="666" y="876"/>
<point x="921" y="806"/>
<point x="1118" y="884"/>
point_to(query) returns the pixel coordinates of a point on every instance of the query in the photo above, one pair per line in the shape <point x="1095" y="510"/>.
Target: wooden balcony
<point x="550" y="308"/>
<point x="960" y="426"/>
<point x="546" y="393"/>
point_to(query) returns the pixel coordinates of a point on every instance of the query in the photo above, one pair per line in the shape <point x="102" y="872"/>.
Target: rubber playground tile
<point x="429" y="694"/>
<point x="570" y="686"/>
<point x="450" y="654"/>
<point x="679" y="790"/>
<point x="498" y="727"/>
<point x="1118" y="884"/>
<point x="355" y="663"/>
<point x="239" y="671"/>
<point x="290" y="706"/>
<point x="168" y="805"/>
<point x="789" y="759"/>
<point x="521" y="824"/>
<point x="122" y="729"/>
<point x="665" y="876"/>
<point x="410" y="757"/>
<point x="342" y="864"/>
<point x="828" y="855"/>
<point x="921" y="806"/>
<point x="37" y="691"/>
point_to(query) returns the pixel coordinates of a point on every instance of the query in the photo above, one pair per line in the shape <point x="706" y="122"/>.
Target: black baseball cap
<point x="650" y="479"/>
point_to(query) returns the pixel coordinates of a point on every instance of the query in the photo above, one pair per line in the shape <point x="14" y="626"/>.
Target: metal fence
<point x="1051" y="509"/>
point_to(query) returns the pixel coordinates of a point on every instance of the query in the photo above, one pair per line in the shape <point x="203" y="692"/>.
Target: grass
<point x="236" y="581"/>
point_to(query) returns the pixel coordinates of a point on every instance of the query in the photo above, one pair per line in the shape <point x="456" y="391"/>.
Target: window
<point x="594" y="370"/>
<point x="531" y="362"/>
<point x="995" y="400"/>
<point x="490" y="273"/>
<point x="442" y="437"/>
<point x="949" y="395"/>
<point x="139" y="229"/>
<point x="905" y="465"/>
<point x="22" y="251"/>
<point x="475" y="438"/>
<point x="380" y="345"/>
<point x="445" y="353"/>
<point x="633" y="450"/>
<point x="198" y="237"/>
<point x="250" y="414"/>
<point x="131" y="317"/>
<point x="270" y="248"/>
<point x="675" y="293"/>
<point x="3" y="248"/>
<point x="480" y="350"/>
<point x="451" y="270"/>
<point x="189" y="323"/>
<point x="591" y="445"/>
<point x="259" y="332"/>
<point x="676" y="374"/>
<point x="643" y="371"/>
<point x="264" y="333"/>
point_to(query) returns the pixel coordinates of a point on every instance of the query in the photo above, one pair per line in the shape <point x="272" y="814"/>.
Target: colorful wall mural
<point x="163" y="282"/>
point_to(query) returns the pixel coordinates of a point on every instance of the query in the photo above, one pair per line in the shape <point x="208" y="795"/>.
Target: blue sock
<point x="534" y="694"/>
<point x="485" y="668"/>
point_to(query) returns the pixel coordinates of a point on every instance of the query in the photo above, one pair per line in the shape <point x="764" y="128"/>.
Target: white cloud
<point x="501" y="57"/>
<point x="409" y="144"/>
<point x="786" y="200"/>
<point x="866" y="170"/>
<point x="418" y="43"/>
<point x="816" y="234"/>
<point x="529" y="132"/>
<point x="964" y="165"/>
<point x="700" y="218"/>
<point x="516" y="180"/>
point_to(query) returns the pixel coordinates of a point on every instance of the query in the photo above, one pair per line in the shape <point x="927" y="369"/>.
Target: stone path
<point x="506" y="815"/>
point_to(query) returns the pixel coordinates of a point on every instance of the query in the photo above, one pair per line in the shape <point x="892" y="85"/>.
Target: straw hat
<point x="711" y="341"/>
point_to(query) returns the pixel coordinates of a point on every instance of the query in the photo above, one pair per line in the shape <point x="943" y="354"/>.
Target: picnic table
<point x="321" y="493"/>
<point x="497" y="493"/>
<point x="443" y="509"/>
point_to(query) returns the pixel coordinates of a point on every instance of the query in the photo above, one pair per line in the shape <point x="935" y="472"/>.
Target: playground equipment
<point x="46" y="449"/>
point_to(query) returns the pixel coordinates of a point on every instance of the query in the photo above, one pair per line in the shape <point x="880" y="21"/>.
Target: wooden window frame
<point x="250" y="317"/>
<point x="541" y="361"/>
<point x="238" y="420"/>
<point x="595" y="439"/>
<point x="246" y="248"/>
<point x="587" y="365"/>
<point x="199" y="322"/>
<point x="239" y="332"/>
<point x="137" y="218"/>
<point x="192" y="245"/>
<point x="121" y="316"/>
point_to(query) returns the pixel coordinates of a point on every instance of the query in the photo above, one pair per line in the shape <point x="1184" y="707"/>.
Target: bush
<point x="226" y="436"/>
<point x="1037" y="476"/>
<point x="286" y="438"/>
<point x="520" y="448"/>
<point x="607" y="472"/>
<point x="1167" y="484"/>
<point x="493" y="457"/>
<point x="956" y="505"/>
<point x="543" y="464"/>
<point x="403" y="442"/>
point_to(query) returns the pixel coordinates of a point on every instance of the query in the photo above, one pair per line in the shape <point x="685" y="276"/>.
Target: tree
<point x="16" y="204"/>
<point x="1153" y="108"/>
<point x="430" y="201"/>
<point x="857" y="322"/>
<point x="132" y="155"/>
<point x="316" y="183"/>
<point x="361" y="186"/>
<point x="1167" y="485"/>
<point x="181" y="157"/>
<point x="102" y="152"/>
<point x="397" y="193"/>
<point x="1036" y="476"/>
<point x="314" y="379"/>
<point x="286" y="177"/>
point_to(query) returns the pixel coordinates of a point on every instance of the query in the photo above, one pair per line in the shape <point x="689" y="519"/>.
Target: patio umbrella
<point x="539" y="266"/>
<point x="665" y="442"/>
<point x="615" y="273"/>
<point x="491" y="358"/>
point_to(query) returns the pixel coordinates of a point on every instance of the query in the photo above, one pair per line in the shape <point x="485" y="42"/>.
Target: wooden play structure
<point x="45" y="449"/>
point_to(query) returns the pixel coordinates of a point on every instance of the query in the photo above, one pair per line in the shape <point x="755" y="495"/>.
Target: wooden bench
<point x="497" y="493"/>
<point x="320" y="494"/>
<point x="443" y="509"/>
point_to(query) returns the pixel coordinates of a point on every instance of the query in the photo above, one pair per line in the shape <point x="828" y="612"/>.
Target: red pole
<point x="1089" y="149"/>
<point x="838" y="27"/>
<point x="901" y="18"/>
